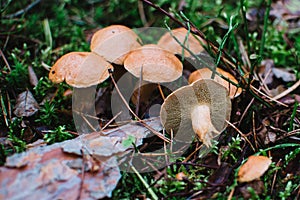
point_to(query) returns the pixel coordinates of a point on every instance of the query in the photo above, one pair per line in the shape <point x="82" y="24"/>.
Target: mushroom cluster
<point x="118" y="44"/>
<point x="201" y="107"/>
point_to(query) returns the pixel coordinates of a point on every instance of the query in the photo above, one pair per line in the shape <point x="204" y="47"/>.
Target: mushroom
<point x="202" y="107"/>
<point x="206" y="73"/>
<point x="154" y="63"/>
<point x="254" y="168"/>
<point x="114" y="42"/>
<point x="190" y="41"/>
<point x="80" y="69"/>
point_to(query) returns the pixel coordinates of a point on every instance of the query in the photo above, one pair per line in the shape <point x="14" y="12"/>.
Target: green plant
<point x="57" y="135"/>
<point x="15" y="134"/>
<point x="48" y="114"/>
<point x="230" y="151"/>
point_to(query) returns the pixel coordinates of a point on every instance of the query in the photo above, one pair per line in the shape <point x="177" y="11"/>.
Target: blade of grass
<point x="151" y="192"/>
<point x="243" y="9"/>
<point x="293" y="116"/>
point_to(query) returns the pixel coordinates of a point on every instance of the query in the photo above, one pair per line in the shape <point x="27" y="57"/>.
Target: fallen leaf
<point x="32" y="76"/>
<point x="285" y="74"/>
<point x="26" y="105"/>
<point x="253" y="168"/>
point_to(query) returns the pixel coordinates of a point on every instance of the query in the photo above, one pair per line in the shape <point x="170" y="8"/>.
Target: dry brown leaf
<point x="32" y="76"/>
<point x="26" y="105"/>
<point x="254" y="168"/>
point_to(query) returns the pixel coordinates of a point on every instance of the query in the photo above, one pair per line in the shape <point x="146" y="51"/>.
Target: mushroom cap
<point x="253" y="168"/>
<point x="169" y="43"/>
<point x="114" y="42"/>
<point x="158" y="65"/>
<point x="176" y="110"/>
<point x="80" y="69"/>
<point x="205" y="73"/>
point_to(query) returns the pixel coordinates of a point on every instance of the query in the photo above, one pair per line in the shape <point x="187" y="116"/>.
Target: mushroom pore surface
<point x="176" y="111"/>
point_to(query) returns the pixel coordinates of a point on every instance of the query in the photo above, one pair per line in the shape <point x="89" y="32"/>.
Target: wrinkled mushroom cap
<point x="80" y="69"/>
<point x="157" y="64"/>
<point x="205" y="73"/>
<point x="176" y="110"/>
<point x="169" y="43"/>
<point x="114" y="42"/>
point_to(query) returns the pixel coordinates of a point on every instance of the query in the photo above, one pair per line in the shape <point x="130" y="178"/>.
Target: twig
<point x="5" y="61"/>
<point x="111" y="120"/>
<point x="242" y="134"/>
<point x="22" y="11"/>
<point x="161" y="92"/>
<point x="289" y="90"/>
<point x="275" y="175"/>
<point x="263" y="94"/>
<point x="142" y="13"/>
<point x="158" y="134"/>
<point x="194" y="30"/>
<point x="3" y="109"/>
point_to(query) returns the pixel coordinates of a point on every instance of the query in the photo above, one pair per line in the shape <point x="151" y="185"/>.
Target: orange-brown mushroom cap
<point x="80" y="69"/>
<point x="154" y="63"/>
<point x="206" y="73"/>
<point x="114" y="42"/>
<point x="253" y="168"/>
<point x="190" y="41"/>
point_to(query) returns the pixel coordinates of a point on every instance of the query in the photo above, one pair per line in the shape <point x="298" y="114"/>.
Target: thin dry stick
<point x="187" y="158"/>
<point x="8" y="105"/>
<point x="3" y="109"/>
<point x="111" y="120"/>
<point x="253" y="129"/>
<point x="242" y="134"/>
<point x="87" y="121"/>
<point x="5" y="61"/>
<point x="294" y="132"/>
<point x="284" y="93"/>
<point x="22" y="11"/>
<point x="161" y="92"/>
<point x="158" y="134"/>
<point x="194" y="30"/>
<point x="252" y="87"/>
<point x="142" y="13"/>
<point x="275" y="175"/>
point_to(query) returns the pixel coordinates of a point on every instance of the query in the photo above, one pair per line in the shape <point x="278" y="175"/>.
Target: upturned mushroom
<point x="154" y="63"/>
<point x="190" y="41"/>
<point x="80" y="69"/>
<point x="114" y="42"/>
<point x="206" y="73"/>
<point x="202" y="107"/>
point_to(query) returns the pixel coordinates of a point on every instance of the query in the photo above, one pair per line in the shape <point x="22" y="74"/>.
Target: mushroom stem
<point x="201" y="123"/>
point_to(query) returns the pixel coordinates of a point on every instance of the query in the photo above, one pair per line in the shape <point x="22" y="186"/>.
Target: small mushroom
<point x="80" y="69"/>
<point x="254" y="168"/>
<point x="114" y="42"/>
<point x="154" y="63"/>
<point x="190" y="41"/>
<point x="202" y="107"/>
<point x="206" y="73"/>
